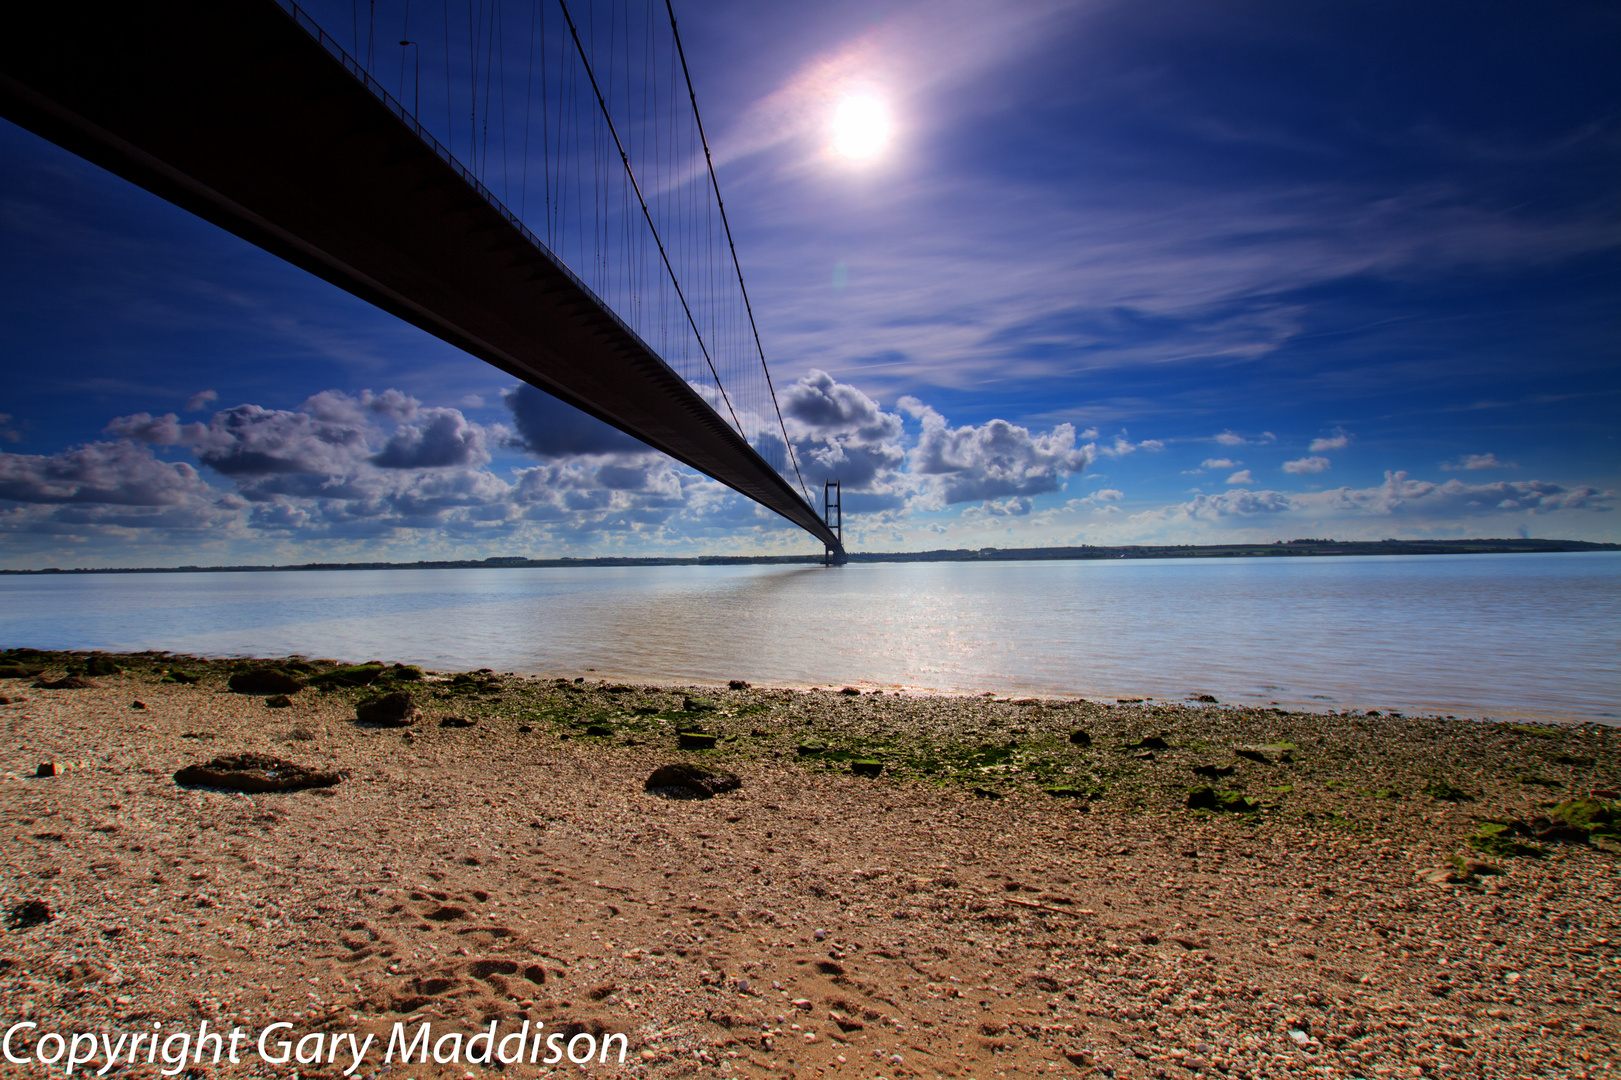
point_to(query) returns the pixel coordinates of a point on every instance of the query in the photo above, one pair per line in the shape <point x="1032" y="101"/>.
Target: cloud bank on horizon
<point x="1118" y="274"/>
<point x="382" y="475"/>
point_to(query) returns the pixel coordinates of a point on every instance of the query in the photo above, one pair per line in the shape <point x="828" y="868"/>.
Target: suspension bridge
<point x="559" y="219"/>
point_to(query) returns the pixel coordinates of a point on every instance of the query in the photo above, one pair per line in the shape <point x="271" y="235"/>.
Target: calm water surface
<point x="1475" y="635"/>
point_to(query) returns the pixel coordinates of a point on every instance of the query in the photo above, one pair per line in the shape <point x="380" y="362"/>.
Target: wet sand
<point x="999" y="901"/>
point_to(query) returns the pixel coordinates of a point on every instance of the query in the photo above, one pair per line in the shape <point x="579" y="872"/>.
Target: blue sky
<point x="1167" y="273"/>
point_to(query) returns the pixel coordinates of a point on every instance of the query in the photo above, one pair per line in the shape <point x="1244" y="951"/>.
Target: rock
<point x="1212" y="772"/>
<point x="683" y="781"/>
<point x="406" y="672"/>
<point x="1497" y="838"/>
<point x="67" y="682"/>
<point x="137" y="704"/>
<point x="4" y="700"/>
<point x="1588" y="814"/>
<point x="866" y="767"/>
<point x="27" y="914"/>
<point x="280" y="701"/>
<point x="850" y="691"/>
<point x="737" y="684"/>
<point x="264" y="680"/>
<point x="1442" y="791"/>
<point x="101" y="664"/>
<point x="1208" y="798"/>
<point x="1562" y="834"/>
<point x="357" y="675"/>
<point x="811" y="749"/>
<point x="390" y="710"/>
<point x="57" y="768"/>
<point x="17" y="671"/>
<point x="599" y="731"/>
<point x="1080" y="737"/>
<point x="695" y="740"/>
<point x="1207" y="699"/>
<point x="1269" y="754"/>
<point x="987" y="793"/>
<point x="254" y="772"/>
<point x="697" y="704"/>
<point x="460" y="722"/>
<point x="1149" y="742"/>
<point x="184" y="678"/>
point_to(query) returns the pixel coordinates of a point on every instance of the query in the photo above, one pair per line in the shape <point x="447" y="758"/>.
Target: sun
<point x="861" y="127"/>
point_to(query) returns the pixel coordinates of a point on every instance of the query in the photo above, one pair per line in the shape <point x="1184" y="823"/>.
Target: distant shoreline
<point x="1282" y="548"/>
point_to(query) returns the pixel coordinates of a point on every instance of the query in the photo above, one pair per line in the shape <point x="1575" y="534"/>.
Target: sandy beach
<point x="1022" y="889"/>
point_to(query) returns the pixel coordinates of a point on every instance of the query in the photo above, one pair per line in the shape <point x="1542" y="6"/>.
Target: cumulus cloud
<point x="1219" y="463"/>
<point x="442" y="438"/>
<point x="993" y="460"/>
<point x="249" y="441"/>
<point x="117" y="473"/>
<point x="1241" y="477"/>
<point x="1227" y="438"/>
<point x="1339" y="440"/>
<point x="1399" y="497"/>
<point x="1306" y="466"/>
<point x="118" y="491"/>
<point x="840" y="433"/>
<point x="165" y="430"/>
<point x="1017" y="506"/>
<point x="1470" y="462"/>
<point x="202" y="399"/>
<point x="366" y="468"/>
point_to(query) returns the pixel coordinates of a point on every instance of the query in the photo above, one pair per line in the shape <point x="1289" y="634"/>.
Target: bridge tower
<point x="833" y="518"/>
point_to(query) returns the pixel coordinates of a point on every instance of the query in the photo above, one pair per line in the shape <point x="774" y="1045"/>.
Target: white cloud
<point x="1121" y="446"/>
<point x="201" y="400"/>
<point x="110" y="473"/>
<point x="1401" y="497"/>
<point x="1227" y="438"/>
<point x="1219" y="463"/>
<point x="1241" y="477"/>
<point x="1470" y="462"/>
<point x="840" y="433"/>
<point x="1306" y="465"/>
<point x="441" y="438"/>
<point x="992" y="460"/>
<point x="1339" y="440"/>
<point x="1107" y="495"/>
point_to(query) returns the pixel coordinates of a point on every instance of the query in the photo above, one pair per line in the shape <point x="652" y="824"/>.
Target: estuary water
<point x="1502" y="636"/>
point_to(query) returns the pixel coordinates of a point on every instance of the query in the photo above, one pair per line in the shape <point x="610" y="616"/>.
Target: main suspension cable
<point x="692" y="95"/>
<point x="646" y="214"/>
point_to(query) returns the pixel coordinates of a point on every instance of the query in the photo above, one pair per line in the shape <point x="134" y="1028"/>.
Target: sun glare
<point x="861" y="127"/>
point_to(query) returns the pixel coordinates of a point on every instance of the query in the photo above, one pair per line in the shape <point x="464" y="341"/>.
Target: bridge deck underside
<point x="234" y="112"/>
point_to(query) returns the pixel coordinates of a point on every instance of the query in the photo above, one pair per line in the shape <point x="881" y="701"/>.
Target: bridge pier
<point x="833" y="518"/>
